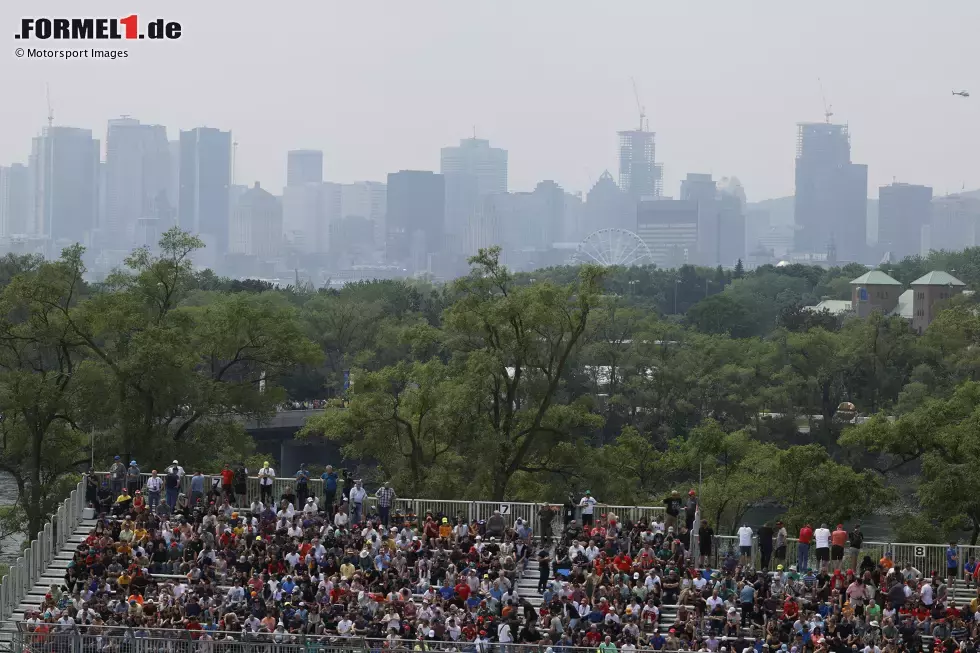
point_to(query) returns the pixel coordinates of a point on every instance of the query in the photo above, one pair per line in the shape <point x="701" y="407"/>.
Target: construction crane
<point x="47" y="96"/>
<point x="642" y="109"/>
<point x="827" y="113"/>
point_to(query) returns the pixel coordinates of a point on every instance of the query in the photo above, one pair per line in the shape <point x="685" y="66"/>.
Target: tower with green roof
<point x="874" y="291"/>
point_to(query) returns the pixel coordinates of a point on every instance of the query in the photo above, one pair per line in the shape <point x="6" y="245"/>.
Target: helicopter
<point x="962" y="93"/>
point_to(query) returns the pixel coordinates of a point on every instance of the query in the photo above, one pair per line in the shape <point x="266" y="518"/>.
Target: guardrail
<point x="36" y="556"/>
<point x="146" y="640"/>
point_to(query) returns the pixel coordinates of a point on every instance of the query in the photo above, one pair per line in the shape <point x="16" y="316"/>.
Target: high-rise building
<point x="304" y="167"/>
<point x="415" y="218"/>
<point x="368" y="200"/>
<point x="64" y="170"/>
<point x="831" y="203"/>
<point x="205" y="186"/>
<point x="903" y="209"/>
<point x="15" y="199"/>
<point x="475" y="157"/>
<point x="256" y="224"/>
<point x="137" y="181"/>
<point x="670" y="229"/>
<point x="721" y="218"/>
<point x="639" y="174"/>
<point x="472" y="170"/>
<point x="954" y="224"/>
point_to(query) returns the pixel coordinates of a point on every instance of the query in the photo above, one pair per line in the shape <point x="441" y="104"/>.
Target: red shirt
<point x="623" y="562"/>
<point x="227" y="476"/>
<point x="790" y="610"/>
<point x="806" y="535"/>
<point x="463" y="591"/>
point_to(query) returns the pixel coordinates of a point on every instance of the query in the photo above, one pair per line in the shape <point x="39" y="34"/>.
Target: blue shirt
<point x="950" y="557"/>
<point x="329" y="481"/>
<point x="747" y="595"/>
<point x="302" y="476"/>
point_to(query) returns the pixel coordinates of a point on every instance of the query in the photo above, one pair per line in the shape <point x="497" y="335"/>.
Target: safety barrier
<point x="151" y="640"/>
<point x="38" y="554"/>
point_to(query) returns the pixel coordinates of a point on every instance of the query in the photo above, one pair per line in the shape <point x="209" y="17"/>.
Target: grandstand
<point x="630" y="595"/>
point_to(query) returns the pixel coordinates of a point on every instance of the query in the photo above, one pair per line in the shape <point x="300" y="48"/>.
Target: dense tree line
<point x="628" y="382"/>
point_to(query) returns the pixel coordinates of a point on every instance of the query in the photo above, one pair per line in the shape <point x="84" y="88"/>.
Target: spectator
<point x="803" y="547"/>
<point x="267" y="476"/>
<point x="822" y="538"/>
<point x="386" y="499"/>
<point x="171" y="482"/>
<point x="358" y="495"/>
<point x="302" y="483"/>
<point x="133" y="477"/>
<point x="117" y="476"/>
<point x="587" y="504"/>
<point x="329" y="478"/>
<point x="154" y="485"/>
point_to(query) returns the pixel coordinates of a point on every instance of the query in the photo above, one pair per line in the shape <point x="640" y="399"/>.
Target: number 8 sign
<point x="920" y="552"/>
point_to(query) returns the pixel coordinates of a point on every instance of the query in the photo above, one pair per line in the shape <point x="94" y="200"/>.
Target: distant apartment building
<point x="670" y="230"/>
<point x="415" y="218"/>
<point x="903" y="210"/>
<point x="255" y="227"/>
<point x="15" y="199"/>
<point x="472" y="171"/>
<point x="831" y="201"/>
<point x="137" y="181"/>
<point x="205" y="186"/>
<point x="304" y="167"/>
<point x="64" y="168"/>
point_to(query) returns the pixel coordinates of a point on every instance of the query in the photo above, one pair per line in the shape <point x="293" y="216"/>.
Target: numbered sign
<point x="920" y="552"/>
<point x="505" y="509"/>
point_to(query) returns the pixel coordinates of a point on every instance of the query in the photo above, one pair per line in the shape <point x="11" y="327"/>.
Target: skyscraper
<point x="903" y="209"/>
<point x="415" y="218"/>
<point x="607" y="206"/>
<point x="831" y="203"/>
<point x="304" y="167"/>
<point x="64" y="171"/>
<point x="205" y="183"/>
<point x="472" y="170"/>
<point x="639" y="174"/>
<point x="475" y="157"/>
<point x="15" y="199"/>
<point x="721" y="218"/>
<point x="670" y="229"/>
<point x="137" y="180"/>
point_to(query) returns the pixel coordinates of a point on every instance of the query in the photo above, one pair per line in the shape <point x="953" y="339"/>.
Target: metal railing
<point x="145" y="640"/>
<point x="25" y="571"/>
<point x="927" y="558"/>
<point x="469" y="510"/>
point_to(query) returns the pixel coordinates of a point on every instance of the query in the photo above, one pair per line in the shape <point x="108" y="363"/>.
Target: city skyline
<point x="721" y="102"/>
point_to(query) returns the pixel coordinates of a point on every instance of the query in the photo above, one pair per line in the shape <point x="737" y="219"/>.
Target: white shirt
<point x="745" y="536"/>
<point x="587" y="504"/>
<point x="266" y="476"/>
<point x="358" y="494"/>
<point x="822" y="536"/>
<point x="154" y="484"/>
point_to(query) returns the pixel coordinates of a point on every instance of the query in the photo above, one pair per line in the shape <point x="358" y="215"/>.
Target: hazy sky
<point x="381" y="86"/>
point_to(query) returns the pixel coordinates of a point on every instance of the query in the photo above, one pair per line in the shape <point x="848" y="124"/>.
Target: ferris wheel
<point x="612" y="247"/>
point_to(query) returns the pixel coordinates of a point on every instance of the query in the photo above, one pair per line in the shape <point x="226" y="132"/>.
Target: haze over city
<point x="381" y="86"/>
<point x="530" y="126"/>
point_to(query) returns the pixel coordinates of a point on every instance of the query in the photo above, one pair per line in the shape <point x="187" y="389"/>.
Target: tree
<point x="739" y="270"/>
<point x="517" y="342"/>
<point x="942" y="436"/>
<point x="413" y="418"/>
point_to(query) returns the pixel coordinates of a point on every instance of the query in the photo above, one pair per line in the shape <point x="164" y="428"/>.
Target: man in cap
<point x="587" y="504"/>
<point x="267" y="475"/>
<point x="133" y="477"/>
<point x="117" y="476"/>
<point x="171" y="482"/>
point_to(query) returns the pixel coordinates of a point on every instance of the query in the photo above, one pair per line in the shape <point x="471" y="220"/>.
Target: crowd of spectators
<point x="318" y="569"/>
